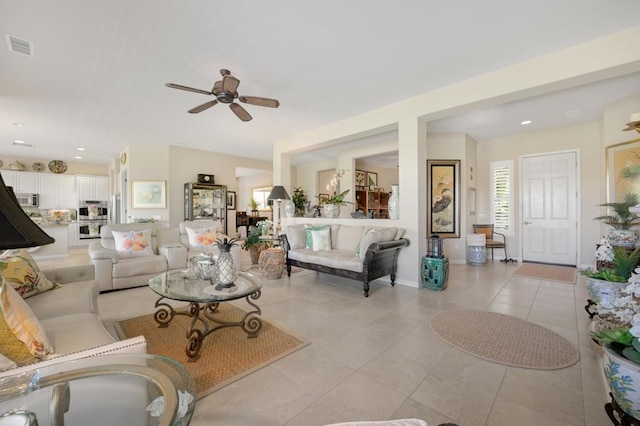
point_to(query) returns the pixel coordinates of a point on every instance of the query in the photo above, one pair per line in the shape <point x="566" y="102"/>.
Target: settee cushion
<point x="382" y="234"/>
<point x="339" y="259"/>
<point x="76" y="332"/>
<point x="296" y="235"/>
<point x="23" y="323"/>
<point x="23" y="274"/>
<point x="133" y="243"/>
<point x="347" y="237"/>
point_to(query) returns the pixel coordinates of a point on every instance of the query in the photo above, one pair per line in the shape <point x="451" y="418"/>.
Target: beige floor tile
<point x="377" y="358"/>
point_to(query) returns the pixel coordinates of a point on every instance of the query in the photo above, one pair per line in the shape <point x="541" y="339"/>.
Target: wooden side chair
<point x="489" y="234"/>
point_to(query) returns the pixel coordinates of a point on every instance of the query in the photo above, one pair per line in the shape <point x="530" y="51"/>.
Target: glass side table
<point x="119" y="389"/>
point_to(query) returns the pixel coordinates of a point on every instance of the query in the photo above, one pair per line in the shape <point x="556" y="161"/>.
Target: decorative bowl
<point x="38" y="166"/>
<point x="57" y="166"/>
<point x="16" y="165"/>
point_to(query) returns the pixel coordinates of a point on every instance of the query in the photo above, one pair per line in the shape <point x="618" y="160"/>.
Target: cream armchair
<point x="114" y="270"/>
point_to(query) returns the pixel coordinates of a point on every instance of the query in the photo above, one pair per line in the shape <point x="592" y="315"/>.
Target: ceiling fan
<point x="226" y="91"/>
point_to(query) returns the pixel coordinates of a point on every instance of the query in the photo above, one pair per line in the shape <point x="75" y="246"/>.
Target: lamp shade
<point x="17" y="230"/>
<point x="278" y="193"/>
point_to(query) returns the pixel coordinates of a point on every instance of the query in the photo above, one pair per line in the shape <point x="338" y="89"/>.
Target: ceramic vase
<point x="331" y="210"/>
<point x="623" y="238"/>
<point x="289" y="208"/>
<point x="394" y="203"/>
<point x="602" y="291"/>
<point x="623" y="378"/>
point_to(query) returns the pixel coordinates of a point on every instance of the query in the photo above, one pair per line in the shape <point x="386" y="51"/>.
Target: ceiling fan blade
<point x="217" y="87"/>
<point x="202" y="107"/>
<point x="240" y="112"/>
<point x="188" y="89"/>
<point x="264" y="102"/>
<point x="230" y="83"/>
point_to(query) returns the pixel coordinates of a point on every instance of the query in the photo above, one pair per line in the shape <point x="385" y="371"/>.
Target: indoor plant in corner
<point x="254" y="245"/>
<point x="621" y="219"/>
<point x="621" y="348"/>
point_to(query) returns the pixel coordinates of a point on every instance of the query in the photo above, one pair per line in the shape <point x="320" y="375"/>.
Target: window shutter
<point x="501" y="196"/>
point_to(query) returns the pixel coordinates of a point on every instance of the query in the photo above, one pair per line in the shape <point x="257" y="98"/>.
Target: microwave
<point x="27" y="200"/>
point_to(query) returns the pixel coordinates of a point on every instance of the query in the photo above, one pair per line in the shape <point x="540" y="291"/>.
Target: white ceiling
<point x="97" y="77"/>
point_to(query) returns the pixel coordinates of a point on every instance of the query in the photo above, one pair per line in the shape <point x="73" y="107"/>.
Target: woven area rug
<point x="505" y="339"/>
<point x="227" y="354"/>
<point x="564" y="274"/>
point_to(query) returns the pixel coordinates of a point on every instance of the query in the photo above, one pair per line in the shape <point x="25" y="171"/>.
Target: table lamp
<point x="278" y="193"/>
<point x="17" y="230"/>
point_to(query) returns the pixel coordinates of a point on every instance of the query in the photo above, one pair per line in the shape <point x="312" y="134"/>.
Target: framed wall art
<point x="443" y="184"/>
<point x="372" y="180"/>
<point x="148" y="194"/>
<point x="360" y="178"/>
<point x="231" y="200"/>
<point x="623" y="170"/>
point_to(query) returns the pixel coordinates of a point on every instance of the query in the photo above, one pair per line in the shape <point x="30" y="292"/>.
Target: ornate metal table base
<point x="199" y="328"/>
<point x="612" y="408"/>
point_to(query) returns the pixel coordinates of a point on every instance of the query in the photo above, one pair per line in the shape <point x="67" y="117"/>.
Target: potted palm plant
<point x="621" y="219"/>
<point x="254" y="245"/>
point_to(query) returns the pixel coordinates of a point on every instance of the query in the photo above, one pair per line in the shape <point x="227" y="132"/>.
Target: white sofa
<point x="70" y="318"/>
<point x="358" y="252"/>
<point x="171" y="248"/>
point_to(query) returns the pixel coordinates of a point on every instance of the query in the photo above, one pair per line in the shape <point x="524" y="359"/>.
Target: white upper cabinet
<point x="22" y="182"/>
<point x="94" y="188"/>
<point x="57" y="191"/>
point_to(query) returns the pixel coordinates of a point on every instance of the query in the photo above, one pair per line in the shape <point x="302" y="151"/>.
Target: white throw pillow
<point x="201" y="237"/>
<point x="133" y="243"/>
<point x="23" y="323"/>
<point x="320" y="239"/>
<point x="309" y="228"/>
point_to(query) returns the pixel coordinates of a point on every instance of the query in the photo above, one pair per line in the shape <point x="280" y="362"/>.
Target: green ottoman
<point x="435" y="273"/>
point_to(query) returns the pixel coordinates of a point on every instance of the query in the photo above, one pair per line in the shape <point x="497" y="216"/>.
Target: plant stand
<point x="623" y="419"/>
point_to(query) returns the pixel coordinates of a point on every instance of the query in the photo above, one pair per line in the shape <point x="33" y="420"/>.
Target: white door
<point x="549" y="208"/>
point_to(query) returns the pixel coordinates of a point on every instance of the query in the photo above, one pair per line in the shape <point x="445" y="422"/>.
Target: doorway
<point x="549" y="208"/>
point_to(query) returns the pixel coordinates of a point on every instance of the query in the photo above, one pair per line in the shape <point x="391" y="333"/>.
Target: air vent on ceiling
<point x="25" y="145"/>
<point x="18" y="45"/>
<point x="574" y="113"/>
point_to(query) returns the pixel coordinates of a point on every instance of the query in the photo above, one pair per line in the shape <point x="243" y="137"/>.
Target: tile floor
<point x="377" y="358"/>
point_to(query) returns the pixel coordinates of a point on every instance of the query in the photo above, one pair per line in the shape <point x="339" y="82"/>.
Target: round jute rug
<point x="505" y="339"/>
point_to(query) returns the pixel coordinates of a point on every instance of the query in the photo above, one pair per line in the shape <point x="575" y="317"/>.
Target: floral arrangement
<point x="264" y="225"/>
<point x="604" y="251"/>
<point x="333" y="185"/>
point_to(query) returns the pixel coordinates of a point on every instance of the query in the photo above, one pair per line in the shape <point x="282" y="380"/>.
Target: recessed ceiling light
<point x="77" y="157"/>
<point x="17" y="124"/>
<point x="20" y="142"/>
<point x="80" y="149"/>
<point x="525" y="122"/>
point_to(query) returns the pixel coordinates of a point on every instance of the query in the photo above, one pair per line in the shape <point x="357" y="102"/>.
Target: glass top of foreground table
<point x="176" y="285"/>
<point x="118" y="389"/>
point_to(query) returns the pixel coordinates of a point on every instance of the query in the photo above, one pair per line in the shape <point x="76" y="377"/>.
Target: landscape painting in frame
<point x="148" y="194"/>
<point x="443" y="182"/>
<point x="623" y="170"/>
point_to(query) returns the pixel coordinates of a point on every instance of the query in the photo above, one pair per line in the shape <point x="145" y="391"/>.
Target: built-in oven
<point x="93" y="210"/>
<point x="92" y="215"/>
<point x="88" y="230"/>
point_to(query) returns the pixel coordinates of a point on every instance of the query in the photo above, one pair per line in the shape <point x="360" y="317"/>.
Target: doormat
<point x="563" y="274"/>
<point x="505" y="339"/>
<point x="227" y="355"/>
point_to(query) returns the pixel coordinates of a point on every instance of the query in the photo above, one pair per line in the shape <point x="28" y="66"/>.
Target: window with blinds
<point x="502" y="196"/>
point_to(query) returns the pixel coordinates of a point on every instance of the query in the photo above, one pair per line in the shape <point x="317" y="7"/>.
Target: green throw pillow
<point x="307" y="233"/>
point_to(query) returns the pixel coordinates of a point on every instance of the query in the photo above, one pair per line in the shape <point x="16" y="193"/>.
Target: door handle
<point x="528" y="223"/>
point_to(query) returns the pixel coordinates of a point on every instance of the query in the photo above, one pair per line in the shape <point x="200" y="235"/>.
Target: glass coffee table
<point x="117" y="389"/>
<point x="204" y="299"/>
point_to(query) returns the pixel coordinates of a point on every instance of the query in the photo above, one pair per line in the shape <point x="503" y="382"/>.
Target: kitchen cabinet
<point x="21" y="182"/>
<point x="73" y="234"/>
<point x="94" y="188"/>
<point x="375" y="202"/>
<point x="57" y="191"/>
